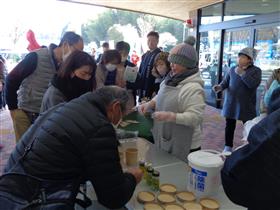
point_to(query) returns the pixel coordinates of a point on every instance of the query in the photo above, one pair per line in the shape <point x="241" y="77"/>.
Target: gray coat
<point x="240" y="95"/>
<point x="52" y="97"/>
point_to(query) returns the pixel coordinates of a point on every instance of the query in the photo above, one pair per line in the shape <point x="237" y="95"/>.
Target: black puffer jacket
<point x="75" y="139"/>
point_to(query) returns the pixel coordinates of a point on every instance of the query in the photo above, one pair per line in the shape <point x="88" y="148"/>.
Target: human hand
<point x="137" y="173"/>
<point x="144" y="107"/>
<point x="164" y="116"/>
<point x="217" y="88"/>
<point x="121" y="83"/>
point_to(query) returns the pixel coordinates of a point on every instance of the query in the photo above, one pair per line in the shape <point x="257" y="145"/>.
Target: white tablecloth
<point x="172" y="171"/>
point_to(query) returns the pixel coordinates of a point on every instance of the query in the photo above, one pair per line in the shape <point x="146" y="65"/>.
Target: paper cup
<point x="131" y="156"/>
<point x="121" y="157"/>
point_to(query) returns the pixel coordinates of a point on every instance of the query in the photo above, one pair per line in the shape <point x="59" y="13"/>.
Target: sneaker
<point x="227" y="151"/>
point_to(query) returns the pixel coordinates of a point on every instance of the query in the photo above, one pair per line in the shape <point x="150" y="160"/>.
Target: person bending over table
<point x="77" y="139"/>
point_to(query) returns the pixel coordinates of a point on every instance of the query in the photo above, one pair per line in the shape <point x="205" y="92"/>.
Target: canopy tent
<point x="176" y="9"/>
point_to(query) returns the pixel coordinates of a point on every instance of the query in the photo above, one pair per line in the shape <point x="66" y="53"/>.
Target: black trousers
<point x="2" y="100"/>
<point x="229" y="131"/>
<point x="196" y="149"/>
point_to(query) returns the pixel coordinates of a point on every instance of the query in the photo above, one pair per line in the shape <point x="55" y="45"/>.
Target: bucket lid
<point x="205" y="159"/>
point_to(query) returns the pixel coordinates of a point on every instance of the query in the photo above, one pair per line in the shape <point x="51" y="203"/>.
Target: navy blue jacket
<point x="241" y="93"/>
<point x="251" y="175"/>
<point x="147" y="87"/>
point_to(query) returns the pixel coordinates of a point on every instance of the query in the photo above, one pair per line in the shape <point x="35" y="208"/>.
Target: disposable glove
<point x="164" y="116"/>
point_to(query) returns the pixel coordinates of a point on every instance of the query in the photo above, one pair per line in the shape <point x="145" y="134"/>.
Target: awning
<point x="176" y="9"/>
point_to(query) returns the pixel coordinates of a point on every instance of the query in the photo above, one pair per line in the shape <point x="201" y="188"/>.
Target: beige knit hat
<point x="183" y="54"/>
<point x="190" y="40"/>
<point x="249" y="52"/>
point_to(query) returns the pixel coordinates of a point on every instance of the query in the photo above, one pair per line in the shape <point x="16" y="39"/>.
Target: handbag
<point x="25" y="192"/>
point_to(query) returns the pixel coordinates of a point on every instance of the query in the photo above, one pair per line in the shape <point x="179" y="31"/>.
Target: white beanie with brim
<point x="249" y="52"/>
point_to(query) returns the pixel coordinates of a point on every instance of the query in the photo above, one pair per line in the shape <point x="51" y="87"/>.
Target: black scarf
<point x="176" y="79"/>
<point x="72" y="87"/>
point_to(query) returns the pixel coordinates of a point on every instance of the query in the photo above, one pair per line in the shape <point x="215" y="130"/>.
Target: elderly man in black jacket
<point x="78" y="139"/>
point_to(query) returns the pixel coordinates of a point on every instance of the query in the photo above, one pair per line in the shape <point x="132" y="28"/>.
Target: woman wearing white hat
<point x="240" y="83"/>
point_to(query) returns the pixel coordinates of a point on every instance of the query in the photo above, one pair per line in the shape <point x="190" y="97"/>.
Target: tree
<point x="115" y="34"/>
<point x="98" y="30"/>
<point x="167" y="40"/>
<point x="175" y="27"/>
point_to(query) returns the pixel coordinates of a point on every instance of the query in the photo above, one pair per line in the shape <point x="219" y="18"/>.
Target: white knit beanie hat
<point x="249" y="52"/>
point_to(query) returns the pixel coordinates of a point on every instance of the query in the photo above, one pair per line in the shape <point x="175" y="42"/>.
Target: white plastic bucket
<point x="204" y="172"/>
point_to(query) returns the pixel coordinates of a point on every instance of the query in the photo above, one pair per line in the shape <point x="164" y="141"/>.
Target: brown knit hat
<point x="183" y="54"/>
<point x="163" y="56"/>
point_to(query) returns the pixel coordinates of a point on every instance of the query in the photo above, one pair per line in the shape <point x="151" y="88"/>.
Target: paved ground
<point x="213" y="133"/>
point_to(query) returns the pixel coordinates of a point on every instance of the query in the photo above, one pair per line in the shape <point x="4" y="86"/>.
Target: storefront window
<point x="208" y="62"/>
<point x="236" y="9"/>
<point x="267" y="41"/>
<point x="211" y="14"/>
<point x="234" y="41"/>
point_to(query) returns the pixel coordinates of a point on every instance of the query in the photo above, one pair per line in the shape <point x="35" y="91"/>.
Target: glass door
<point x="267" y="42"/>
<point x="234" y="41"/>
<point x="210" y="42"/>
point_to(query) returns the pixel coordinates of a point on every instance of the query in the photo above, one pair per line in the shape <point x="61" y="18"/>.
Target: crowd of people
<point x="65" y="106"/>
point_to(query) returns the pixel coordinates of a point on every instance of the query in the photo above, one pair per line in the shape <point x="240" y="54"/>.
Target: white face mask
<point x="117" y="125"/>
<point x="66" y="55"/>
<point x="124" y="58"/>
<point x="111" y="67"/>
